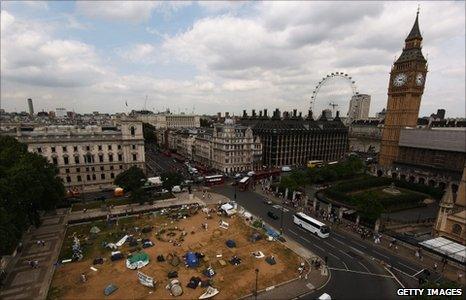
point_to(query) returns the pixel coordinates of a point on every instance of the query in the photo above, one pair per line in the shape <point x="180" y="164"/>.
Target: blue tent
<point x="271" y="232"/>
<point x="191" y="260"/>
<point x="231" y="244"/>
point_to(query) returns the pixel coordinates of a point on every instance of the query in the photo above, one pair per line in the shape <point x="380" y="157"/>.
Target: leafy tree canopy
<point x="131" y="179"/>
<point x="170" y="179"/>
<point x="28" y="183"/>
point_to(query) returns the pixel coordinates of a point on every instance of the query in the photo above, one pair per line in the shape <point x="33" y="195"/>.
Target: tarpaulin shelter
<point x="94" y="230"/>
<point x="109" y="289"/>
<point x="192" y="260"/>
<point x="231" y="244"/>
<point x="137" y="260"/>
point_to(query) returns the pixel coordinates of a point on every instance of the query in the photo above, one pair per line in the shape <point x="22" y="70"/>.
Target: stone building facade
<point x="88" y="157"/>
<point x="170" y="121"/>
<point x="291" y="140"/>
<point x="451" y="218"/>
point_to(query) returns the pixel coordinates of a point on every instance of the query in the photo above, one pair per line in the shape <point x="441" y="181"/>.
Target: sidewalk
<point x="130" y="209"/>
<point x="25" y="282"/>
<point x="404" y="250"/>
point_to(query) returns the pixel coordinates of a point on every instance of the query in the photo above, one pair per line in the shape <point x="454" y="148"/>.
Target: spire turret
<point x="415" y="33"/>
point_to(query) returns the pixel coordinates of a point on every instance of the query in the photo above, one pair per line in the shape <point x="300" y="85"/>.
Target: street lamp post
<point x="257" y="278"/>
<point x="281" y="218"/>
<point x="234" y="196"/>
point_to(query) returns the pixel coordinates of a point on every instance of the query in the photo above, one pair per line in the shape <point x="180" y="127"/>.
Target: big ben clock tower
<point x="407" y="79"/>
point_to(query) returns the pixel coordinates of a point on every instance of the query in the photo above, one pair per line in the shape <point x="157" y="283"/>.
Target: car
<point x="268" y="202"/>
<point x="272" y="215"/>
<point x="176" y="189"/>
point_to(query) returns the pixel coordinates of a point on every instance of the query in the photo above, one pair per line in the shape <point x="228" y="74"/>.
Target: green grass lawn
<point x="115" y="202"/>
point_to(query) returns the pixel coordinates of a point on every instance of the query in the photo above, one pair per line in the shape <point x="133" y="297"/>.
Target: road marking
<point x="393" y="275"/>
<point x="356" y="250"/>
<point x="406" y="266"/>
<point x="293" y="232"/>
<point x="364" y="266"/>
<point x="346" y="254"/>
<point x="422" y="270"/>
<point x="360" y="272"/>
<point x="339" y="242"/>
<point x="318" y="247"/>
<point x="383" y="255"/>
<point x="328" y="244"/>
<point x="339" y="235"/>
<point x="330" y="253"/>
<point x="403" y="272"/>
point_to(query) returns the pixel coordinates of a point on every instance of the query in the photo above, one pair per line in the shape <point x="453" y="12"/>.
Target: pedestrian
<point x="435" y="267"/>
<point x="42" y="243"/>
<point x="83" y="277"/>
<point x="460" y="276"/>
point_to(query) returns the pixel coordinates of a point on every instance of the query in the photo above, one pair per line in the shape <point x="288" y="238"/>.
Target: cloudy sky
<point x="221" y="56"/>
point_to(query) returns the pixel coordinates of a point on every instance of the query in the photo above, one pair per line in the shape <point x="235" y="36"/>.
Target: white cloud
<point x="134" y="11"/>
<point x="138" y="53"/>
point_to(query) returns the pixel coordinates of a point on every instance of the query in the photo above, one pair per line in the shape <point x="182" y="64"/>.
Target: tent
<point x="94" y="230"/>
<point x="231" y="244"/>
<point x="109" y="289"/>
<point x="192" y="260"/>
<point x="137" y="260"/>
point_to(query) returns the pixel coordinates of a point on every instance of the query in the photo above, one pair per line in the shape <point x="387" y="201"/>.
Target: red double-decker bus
<point x="214" y="180"/>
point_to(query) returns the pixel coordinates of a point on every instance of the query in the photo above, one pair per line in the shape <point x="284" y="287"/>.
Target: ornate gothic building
<point x="405" y="89"/>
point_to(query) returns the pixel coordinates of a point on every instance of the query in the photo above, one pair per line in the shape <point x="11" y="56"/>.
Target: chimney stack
<point x="265" y="112"/>
<point x="253" y="113"/>
<point x="245" y="114"/>
<point x="295" y="113"/>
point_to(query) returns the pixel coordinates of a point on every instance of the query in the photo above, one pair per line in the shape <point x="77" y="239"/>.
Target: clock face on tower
<point x="419" y="79"/>
<point x="400" y="79"/>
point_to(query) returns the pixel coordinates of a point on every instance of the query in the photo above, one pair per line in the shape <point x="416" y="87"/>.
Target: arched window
<point x="133" y="130"/>
<point x="456" y="229"/>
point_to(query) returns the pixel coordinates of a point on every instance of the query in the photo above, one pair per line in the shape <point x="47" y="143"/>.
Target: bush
<point x="434" y="192"/>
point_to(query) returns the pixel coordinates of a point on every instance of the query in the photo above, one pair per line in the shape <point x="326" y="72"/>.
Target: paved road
<point x="354" y="274"/>
<point x="156" y="163"/>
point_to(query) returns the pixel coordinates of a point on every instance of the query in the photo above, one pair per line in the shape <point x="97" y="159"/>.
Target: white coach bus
<point x="311" y="224"/>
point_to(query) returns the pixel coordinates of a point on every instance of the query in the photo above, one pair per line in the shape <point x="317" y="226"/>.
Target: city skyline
<point x="187" y="56"/>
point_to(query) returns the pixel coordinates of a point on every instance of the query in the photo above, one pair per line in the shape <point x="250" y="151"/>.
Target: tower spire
<point x="415" y="33"/>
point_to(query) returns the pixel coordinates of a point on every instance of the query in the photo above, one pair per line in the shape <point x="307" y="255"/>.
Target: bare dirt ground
<point x="232" y="281"/>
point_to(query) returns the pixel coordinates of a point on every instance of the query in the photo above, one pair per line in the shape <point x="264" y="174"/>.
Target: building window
<point x="75" y="148"/>
<point x="87" y="169"/>
<point x="76" y="159"/>
<point x="53" y="149"/>
<point x="109" y="147"/>
<point x="120" y="157"/>
<point x="94" y="177"/>
<point x="119" y="147"/>
<point x="64" y="148"/>
<point x="78" y="170"/>
<point x="100" y="147"/>
<point x="68" y="179"/>
<point x="65" y="160"/>
<point x="88" y="159"/>
<point x="111" y="167"/>
<point x="39" y="150"/>
<point x="54" y="160"/>
<point x="102" y="176"/>
<point x="133" y="147"/>
<point x="101" y="168"/>
<point x="110" y="157"/>
<point x="121" y="167"/>
<point x="456" y="229"/>
<point x="101" y="158"/>
<point x="79" y="178"/>
<point x="135" y="157"/>
<point x="67" y="170"/>
<point x="112" y="175"/>
<point x="88" y="177"/>
<point x="92" y="169"/>
<point x="133" y="131"/>
<point x="88" y="148"/>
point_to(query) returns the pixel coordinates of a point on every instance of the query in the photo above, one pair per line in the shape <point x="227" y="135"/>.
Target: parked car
<point x="176" y="189"/>
<point x="272" y="215"/>
<point x="268" y="202"/>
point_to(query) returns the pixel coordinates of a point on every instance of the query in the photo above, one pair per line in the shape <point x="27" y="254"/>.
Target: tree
<point x="170" y="179"/>
<point x="131" y="179"/>
<point x="148" y="131"/>
<point x="28" y="184"/>
<point x="205" y="122"/>
<point x="369" y="206"/>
